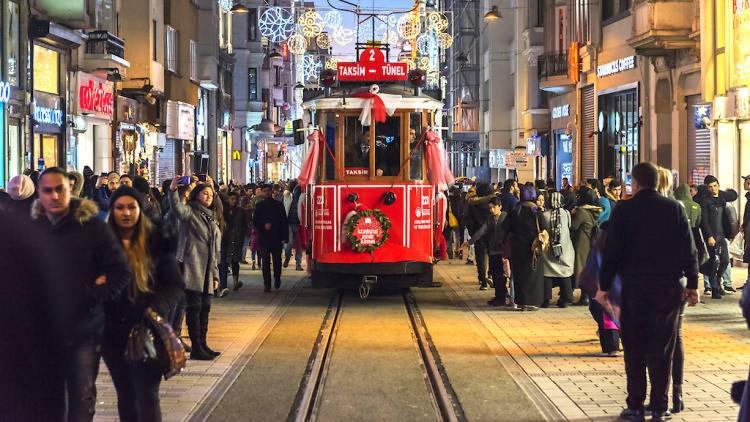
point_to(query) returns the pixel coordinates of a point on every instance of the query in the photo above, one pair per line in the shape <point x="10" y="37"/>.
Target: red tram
<point x="371" y="209"/>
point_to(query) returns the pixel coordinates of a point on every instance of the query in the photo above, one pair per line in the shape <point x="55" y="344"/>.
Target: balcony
<point x="662" y="26"/>
<point x="553" y="73"/>
<point x="105" y="51"/>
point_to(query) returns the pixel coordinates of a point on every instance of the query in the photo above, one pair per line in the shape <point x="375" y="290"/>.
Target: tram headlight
<point x="389" y="198"/>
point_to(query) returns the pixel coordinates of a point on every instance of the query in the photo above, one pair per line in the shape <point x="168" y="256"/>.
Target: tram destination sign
<point x="372" y="67"/>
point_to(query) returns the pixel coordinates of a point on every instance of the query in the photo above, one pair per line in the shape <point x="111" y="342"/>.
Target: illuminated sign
<point x="357" y="171"/>
<point x="49" y="111"/>
<point x="616" y="66"/>
<point x="4" y="92"/>
<point x="561" y="111"/>
<point x="372" y="67"/>
<point x="95" y="96"/>
<point x="236" y="155"/>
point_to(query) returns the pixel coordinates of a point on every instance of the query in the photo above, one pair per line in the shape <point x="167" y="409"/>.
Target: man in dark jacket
<point x="510" y="195"/>
<point x="271" y="222"/>
<point x="746" y="224"/>
<point x="96" y="271"/>
<point x="650" y="246"/>
<point x="479" y="214"/>
<point x="713" y="223"/>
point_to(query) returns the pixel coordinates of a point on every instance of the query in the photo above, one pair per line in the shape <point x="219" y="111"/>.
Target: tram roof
<point x="341" y="98"/>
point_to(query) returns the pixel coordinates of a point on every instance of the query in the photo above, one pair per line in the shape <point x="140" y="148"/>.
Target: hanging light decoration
<point x="226" y="5"/>
<point x="409" y="62"/>
<point x="426" y="44"/>
<point x="332" y="19"/>
<point x="409" y="26"/>
<point x="312" y="23"/>
<point x="297" y="44"/>
<point x="444" y="40"/>
<point x="323" y="41"/>
<point x="424" y="63"/>
<point x="437" y="22"/>
<point x="276" y="24"/>
<point x="312" y="66"/>
<point x="332" y="63"/>
<point x="343" y="36"/>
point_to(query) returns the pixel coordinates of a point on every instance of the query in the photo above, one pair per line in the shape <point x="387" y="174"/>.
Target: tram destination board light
<point x="372" y="67"/>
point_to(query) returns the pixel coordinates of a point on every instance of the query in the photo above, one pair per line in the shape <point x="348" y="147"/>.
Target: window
<point x="415" y="133"/>
<point x="356" y="147"/>
<point x="154" y="43"/>
<point x="277" y="75"/>
<point x="329" y="121"/>
<point x="583" y="31"/>
<point x="172" y="49"/>
<point x="46" y="70"/>
<point x="286" y="93"/>
<point x="193" y="60"/>
<point x="252" y="84"/>
<point x="11" y="47"/>
<point x="614" y="9"/>
<point x="388" y="147"/>
<point x="252" y="26"/>
<point x="536" y="13"/>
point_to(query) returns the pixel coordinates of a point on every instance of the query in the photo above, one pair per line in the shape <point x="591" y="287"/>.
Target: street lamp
<point x="493" y="14"/>
<point x="239" y="8"/>
<point x="274" y="55"/>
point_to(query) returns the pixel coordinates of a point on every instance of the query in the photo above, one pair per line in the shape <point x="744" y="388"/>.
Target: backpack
<point x="730" y="222"/>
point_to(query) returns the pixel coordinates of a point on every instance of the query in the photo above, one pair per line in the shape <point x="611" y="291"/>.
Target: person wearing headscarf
<point x="76" y="180"/>
<point x="584" y="228"/>
<point x="560" y="257"/>
<point x="524" y="223"/>
<point x="21" y="194"/>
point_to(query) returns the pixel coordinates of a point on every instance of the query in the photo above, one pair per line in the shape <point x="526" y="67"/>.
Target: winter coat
<point x="746" y="230"/>
<point x="712" y="213"/>
<point x="492" y="234"/>
<point x="528" y="280"/>
<point x="87" y="248"/>
<point x="271" y="211"/>
<point x="606" y="207"/>
<point x="167" y="290"/>
<point x="582" y="229"/>
<point x="508" y="201"/>
<point x="233" y="238"/>
<point x="564" y="265"/>
<point x="649" y="239"/>
<point x="692" y="208"/>
<point x="198" y="245"/>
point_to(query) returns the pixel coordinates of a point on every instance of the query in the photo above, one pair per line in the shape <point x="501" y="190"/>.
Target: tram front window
<point x="330" y="123"/>
<point x="388" y="147"/>
<point x="356" y="147"/>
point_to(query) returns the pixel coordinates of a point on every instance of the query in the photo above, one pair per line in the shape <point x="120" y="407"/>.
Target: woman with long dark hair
<point x="156" y="284"/>
<point x="524" y="223"/>
<point x="199" y="251"/>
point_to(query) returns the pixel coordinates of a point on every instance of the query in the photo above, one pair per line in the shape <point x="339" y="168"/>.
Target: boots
<point x="194" y="330"/>
<point x="204" y="333"/>
<point x="237" y="283"/>
<point x="677" y="404"/>
<point x="286" y="261"/>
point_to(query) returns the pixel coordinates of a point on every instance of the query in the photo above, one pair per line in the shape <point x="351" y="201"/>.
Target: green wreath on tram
<point x="354" y="242"/>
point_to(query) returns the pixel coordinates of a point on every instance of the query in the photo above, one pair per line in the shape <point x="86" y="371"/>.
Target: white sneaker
<point x="223" y="292"/>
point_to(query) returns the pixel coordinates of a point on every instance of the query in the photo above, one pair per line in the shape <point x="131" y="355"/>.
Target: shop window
<point x="388" y="147"/>
<point x="11" y="50"/>
<point x="415" y="150"/>
<point x="613" y="10"/>
<point x="45" y="147"/>
<point x="356" y="147"/>
<point x="330" y="122"/>
<point x="252" y="84"/>
<point x="46" y="70"/>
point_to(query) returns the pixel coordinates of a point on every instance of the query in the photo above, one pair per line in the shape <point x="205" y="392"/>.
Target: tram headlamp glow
<point x="389" y="198"/>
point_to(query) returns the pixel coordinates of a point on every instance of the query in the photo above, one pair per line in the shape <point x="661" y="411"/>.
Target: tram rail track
<point x="312" y="386"/>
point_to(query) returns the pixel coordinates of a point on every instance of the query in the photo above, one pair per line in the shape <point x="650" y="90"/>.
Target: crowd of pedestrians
<point x="130" y="253"/>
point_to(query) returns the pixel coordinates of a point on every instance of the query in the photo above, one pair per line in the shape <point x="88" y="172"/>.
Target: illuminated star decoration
<point x="297" y="44"/>
<point x="312" y="23"/>
<point x="276" y="24"/>
<point x="332" y="19"/>
<point x="311" y="66"/>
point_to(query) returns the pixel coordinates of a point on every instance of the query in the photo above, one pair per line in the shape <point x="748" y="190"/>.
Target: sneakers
<point x="286" y="261"/>
<point x="222" y="292"/>
<point x="633" y="415"/>
<point x="238" y="285"/>
<point x="469" y="262"/>
<point x="254" y="268"/>
<point x="729" y="290"/>
<point x="707" y="290"/>
<point x="299" y="268"/>
<point x="277" y="284"/>
<point x="483" y="287"/>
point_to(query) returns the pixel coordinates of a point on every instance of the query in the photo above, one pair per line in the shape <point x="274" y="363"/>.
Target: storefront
<point x="564" y="116"/>
<point x="48" y="109"/>
<point x="698" y="139"/>
<point x="172" y="158"/>
<point x="224" y="149"/>
<point x="92" y="139"/>
<point x="618" y="116"/>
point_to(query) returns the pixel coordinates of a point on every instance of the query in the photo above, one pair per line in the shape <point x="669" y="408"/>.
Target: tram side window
<point x="388" y="147"/>
<point x="356" y="147"/>
<point x="415" y="133"/>
<point x="328" y="123"/>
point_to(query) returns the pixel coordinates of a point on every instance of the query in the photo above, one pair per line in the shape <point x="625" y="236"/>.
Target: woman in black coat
<point x="156" y="284"/>
<point x="232" y="241"/>
<point x="523" y="224"/>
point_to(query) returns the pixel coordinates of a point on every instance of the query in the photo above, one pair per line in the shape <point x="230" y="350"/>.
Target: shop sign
<point x="357" y="171"/>
<point x="616" y="66"/>
<point x="49" y="113"/>
<point x="516" y="159"/>
<point x="371" y="67"/>
<point x="497" y="158"/>
<point x="701" y="115"/>
<point x="561" y="111"/>
<point x="4" y="92"/>
<point x="180" y="121"/>
<point x="533" y="146"/>
<point x="95" y="96"/>
<point x="236" y="155"/>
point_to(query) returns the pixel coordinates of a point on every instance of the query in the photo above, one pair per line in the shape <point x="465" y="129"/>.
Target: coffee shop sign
<point x="561" y="111"/>
<point x="616" y="66"/>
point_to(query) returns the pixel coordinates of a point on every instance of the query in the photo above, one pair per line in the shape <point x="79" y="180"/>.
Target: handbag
<point x="700" y="246"/>
<point x="153" y="340"/>
<point x="540" y="245"/>
<point x="452" y="220"/>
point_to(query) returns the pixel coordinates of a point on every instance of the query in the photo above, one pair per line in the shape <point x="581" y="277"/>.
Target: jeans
<point x="80" y="379"/>
<point x="480" y="252"/>
<point x="224" y="272"/>
<point x="722" y="251"/>
<point x="266" y="255"/>
<point x="137" y="385"/>
<point x="245" y="242"/>
<point x="498" y="277"/>
<point x="726" y="277"/>
<point x="292" y="244"/>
